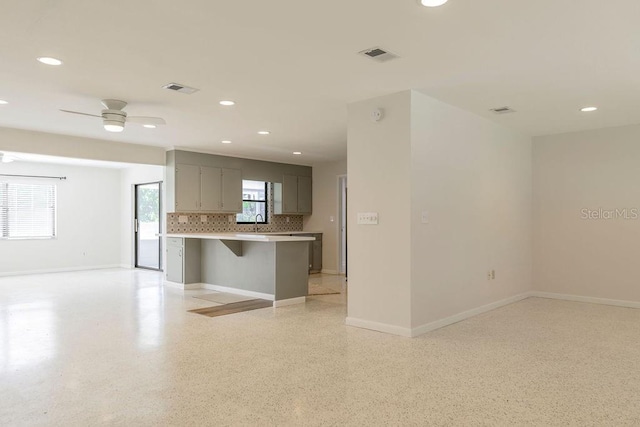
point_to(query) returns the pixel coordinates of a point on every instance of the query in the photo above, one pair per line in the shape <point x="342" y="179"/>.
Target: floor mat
<point x="223" y="297"/>
<point x="321" y="290"/>
<point x="234" y="307"/>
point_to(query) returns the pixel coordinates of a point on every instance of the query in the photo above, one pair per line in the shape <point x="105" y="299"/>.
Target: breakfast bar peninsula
<point x="272" y="267"/>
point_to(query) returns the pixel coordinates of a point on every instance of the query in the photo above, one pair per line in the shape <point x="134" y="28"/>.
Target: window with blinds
<point x="27" y="210"/>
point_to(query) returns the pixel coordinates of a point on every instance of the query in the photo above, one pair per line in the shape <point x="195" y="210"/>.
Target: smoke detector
<point x="378" y="54"/>
<point x="180" y="88"/>
<point x="503" y="110"/>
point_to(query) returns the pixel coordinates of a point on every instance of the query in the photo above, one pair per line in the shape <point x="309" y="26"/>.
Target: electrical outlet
<point x="287" y="219"/>
<point x="203" y="218"/>
<point x="183" y="219"/>
<point x="493" y="275"/>
<point x="230" y="219"/>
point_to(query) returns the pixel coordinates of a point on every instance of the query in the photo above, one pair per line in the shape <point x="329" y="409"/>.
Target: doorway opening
<point x="148" y="226"/>
<point x="342" y="224"/>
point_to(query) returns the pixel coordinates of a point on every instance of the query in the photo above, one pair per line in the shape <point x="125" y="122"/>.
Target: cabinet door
<point x="316" y="263"/>
<point x="290" y="194"/>
<point x="187" y="188"/>
<point x="174" y="264"/>
<point x="231" y="190"/>
<point x="304" y="195"/>
<point x="210" y="188"/>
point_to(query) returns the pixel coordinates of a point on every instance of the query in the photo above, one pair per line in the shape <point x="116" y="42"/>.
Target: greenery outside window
<point x="254" y="202"/>
<point x="27" y="211"/>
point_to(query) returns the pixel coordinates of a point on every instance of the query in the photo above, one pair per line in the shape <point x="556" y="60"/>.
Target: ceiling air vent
<point x="503" y="110"/>
<point x="180" y="88"/>
<point x="378" y="54"/>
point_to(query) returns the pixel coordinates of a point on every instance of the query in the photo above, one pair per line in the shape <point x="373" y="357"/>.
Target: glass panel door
<point x="148" y="226"/>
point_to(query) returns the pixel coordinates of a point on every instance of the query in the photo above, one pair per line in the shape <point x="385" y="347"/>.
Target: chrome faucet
<point x="261" y="217"/>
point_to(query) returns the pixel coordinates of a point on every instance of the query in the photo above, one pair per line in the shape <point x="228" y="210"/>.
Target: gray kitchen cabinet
<point x="292" y="195"/>
<point x="304" y="195"/>
<point x="183" y="260"/>
<point x="231" y="198"/>
<point x="207" y="189"/>
<point x="187" y="188"/>
<point x="210" y="188"/>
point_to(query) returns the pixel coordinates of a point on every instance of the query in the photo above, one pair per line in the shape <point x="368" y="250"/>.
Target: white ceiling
<point x="292" y="66"/>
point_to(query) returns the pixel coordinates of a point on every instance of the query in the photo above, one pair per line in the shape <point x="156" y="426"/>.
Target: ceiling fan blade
<point x="146" y="120"/>
<point x="82" y="114"/>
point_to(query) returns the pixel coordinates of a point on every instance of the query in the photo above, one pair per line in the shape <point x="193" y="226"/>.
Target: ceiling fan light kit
<point x="114" y="118"/>
<point x="433" y="3"/>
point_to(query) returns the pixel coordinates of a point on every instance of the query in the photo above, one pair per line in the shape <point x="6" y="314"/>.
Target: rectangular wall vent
<point x="503" y="110"/>
<point x="180" y="88"/>
<point x="378" y="54"/>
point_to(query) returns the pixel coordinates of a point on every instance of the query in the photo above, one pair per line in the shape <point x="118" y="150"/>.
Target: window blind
<point x="27" y="210"/>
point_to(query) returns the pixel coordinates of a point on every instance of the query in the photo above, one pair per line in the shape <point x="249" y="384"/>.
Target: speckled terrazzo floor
<point x="114" y="347"/>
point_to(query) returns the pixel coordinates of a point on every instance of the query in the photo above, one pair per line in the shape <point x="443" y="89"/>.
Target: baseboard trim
<point x="58" y="270"/>
<point x="290" y="301"/>
<point x="379" y="327"/>
<point x="183" y="286"/>
<point x="237" y="291"/>
<point x="325" y="271"/>
<point x="590" y="300"/>
<point x="420" y="330"/>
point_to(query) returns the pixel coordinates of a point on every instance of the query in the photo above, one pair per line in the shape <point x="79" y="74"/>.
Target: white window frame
<point x="6" y="215"/>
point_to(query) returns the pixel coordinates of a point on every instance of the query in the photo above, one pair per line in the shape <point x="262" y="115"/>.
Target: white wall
<point x="129" y="177"/>
<point x="473" y="177"/>
<point x="593" y="170"/>
<point x="378" y="168"/>
<point x="88" y="220"/>
<point x="24" y="141"/>
<point x="325" y="206"/>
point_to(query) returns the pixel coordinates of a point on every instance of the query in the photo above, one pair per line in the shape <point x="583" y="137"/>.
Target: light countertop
<point x="247" y="237"/>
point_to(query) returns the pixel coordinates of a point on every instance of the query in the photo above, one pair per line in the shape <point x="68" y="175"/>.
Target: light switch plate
<point x="368" y="218"/>
<point x="425" y="217"/>
<point x="183" y="219"/>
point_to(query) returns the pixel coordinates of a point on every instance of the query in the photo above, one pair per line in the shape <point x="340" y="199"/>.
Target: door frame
<point x="135" y="226"/>
<point x="342" y="223"/>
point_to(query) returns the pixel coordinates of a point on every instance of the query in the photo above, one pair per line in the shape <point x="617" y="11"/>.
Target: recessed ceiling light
<point x="3" y="102"/>
<point x="433" y="3"/>
<point x="49" y="61"/>
<point x="264" y="132"/>
<point x="226" y="141"/>
<point x="588" y="109"/>
<point x="149" y="126"/>
<point x="297" y="153"/>
<point x="227" y="103"/>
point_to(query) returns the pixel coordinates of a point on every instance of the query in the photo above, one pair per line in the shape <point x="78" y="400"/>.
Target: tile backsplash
<point x="219" y="223"/>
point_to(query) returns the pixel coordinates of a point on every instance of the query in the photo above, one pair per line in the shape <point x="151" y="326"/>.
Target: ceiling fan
<point x="113" y="118"/>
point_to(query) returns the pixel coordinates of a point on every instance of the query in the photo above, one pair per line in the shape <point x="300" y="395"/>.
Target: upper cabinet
<point x="231" y="199"/>
<point x="293" y="195"/>
<point x="208" y="183"/>
<point x="207" y="189"/>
